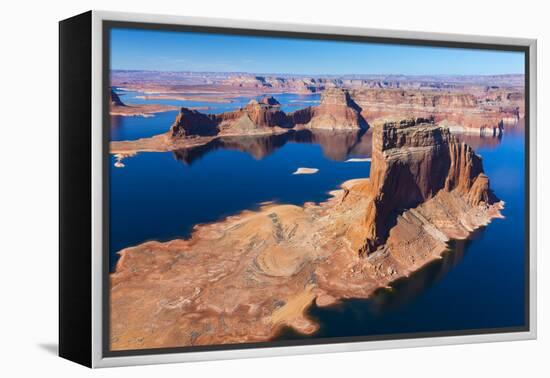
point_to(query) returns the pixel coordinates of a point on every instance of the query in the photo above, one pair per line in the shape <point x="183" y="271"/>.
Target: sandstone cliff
<point x="412" y="161"/>
<point x="255" y="116"/>
<point x="337" y="111"/>
<point x="481" y="112"/>
<point x="193" y="123"/>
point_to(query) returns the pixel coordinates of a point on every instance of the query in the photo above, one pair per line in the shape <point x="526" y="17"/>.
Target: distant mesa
<point x="253" y="82"/>
<point x="192" y="123"/>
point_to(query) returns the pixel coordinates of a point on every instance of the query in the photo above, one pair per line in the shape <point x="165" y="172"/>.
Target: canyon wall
<point x="412" y="161"/>
<point x="480" y="111"/>
<point x="336" y="111"/>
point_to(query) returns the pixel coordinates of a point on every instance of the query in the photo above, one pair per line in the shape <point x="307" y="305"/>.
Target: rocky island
<point x="244" y="278"/>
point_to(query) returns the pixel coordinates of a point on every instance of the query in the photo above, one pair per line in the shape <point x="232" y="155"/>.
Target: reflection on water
<point x="336" y="145"/>
<point x="477" y="141"/>
<point x="489" y="141"/>
<point x="406" y="289"/>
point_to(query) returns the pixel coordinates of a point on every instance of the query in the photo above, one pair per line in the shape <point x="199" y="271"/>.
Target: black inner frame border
<point x="108" y="25"/>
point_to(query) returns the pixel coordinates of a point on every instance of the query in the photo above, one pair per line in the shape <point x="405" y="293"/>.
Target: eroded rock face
<point x="481" y="112"/>
<point x="256" y="117"/>
<point x="412" y="161"/>
<point x="336" y="145"/>
<point x="337" y="111"/>
<point x="193" y="123"/>
<point x="394" y="97"/>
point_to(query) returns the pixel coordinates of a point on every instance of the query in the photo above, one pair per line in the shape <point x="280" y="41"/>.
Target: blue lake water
<point x="478" y="284"/>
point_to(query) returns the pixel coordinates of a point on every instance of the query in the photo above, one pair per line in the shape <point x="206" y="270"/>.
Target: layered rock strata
<point x="483" y="113"/>
<point x="191" y="123"/>
<point x="337" y="111"/>
<point x="413" y="160"/>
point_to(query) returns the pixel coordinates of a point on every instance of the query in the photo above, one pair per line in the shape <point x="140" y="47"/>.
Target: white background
<point x="28" y="186"/>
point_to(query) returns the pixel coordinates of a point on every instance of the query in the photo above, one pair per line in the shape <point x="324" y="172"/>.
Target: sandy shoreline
<point x="140" y="110"/>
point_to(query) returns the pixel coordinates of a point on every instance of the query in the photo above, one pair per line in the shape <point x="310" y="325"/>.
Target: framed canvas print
<point x="233" y="189"/>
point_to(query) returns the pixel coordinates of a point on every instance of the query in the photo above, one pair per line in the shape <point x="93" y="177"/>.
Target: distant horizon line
<point x="310" y="74"/>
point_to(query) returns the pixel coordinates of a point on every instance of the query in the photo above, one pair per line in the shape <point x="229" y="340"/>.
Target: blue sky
<point x="135" y="49"/>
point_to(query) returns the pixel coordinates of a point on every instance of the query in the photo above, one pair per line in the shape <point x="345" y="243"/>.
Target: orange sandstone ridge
<point x="244" y="278"/>
<point x="484" y="113"/>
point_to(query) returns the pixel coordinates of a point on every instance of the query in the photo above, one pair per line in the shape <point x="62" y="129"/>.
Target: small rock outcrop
<point x="337" y="111"/>
<point x="190" y="123"/>
<point x="412" y="160"/>
<point x="115" y="99"/>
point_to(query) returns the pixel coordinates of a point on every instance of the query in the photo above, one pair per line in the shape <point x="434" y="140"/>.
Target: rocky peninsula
<point x="119" y="108"/>
<point x="244" y="278"/>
